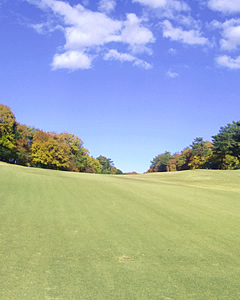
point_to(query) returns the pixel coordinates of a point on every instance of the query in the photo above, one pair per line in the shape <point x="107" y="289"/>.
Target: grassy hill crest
<point x="90" y="236"/>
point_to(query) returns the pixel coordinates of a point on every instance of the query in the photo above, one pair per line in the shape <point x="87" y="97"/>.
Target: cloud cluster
<point x="229" y="30"/>
<point x="88" y="33"/>
<point x="229" y="42"/>
<point x="128" y="38"/>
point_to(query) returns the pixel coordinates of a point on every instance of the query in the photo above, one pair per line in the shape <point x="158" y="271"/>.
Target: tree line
<point x="28" y="146"/>
<point x="222" y="153"/>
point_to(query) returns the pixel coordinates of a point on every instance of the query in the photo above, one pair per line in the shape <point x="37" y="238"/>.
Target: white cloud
<point x="42" y="28"/>
<point x="172" y="51"/>
<point x="171" y="9"/>
<point x="107" y="5"/>
<point x="72" y="60"/>
<point x="225" y="6"/>
<point x="215" y="24"/>
<point x="191" y="37"/>
<point x="231" y="34"/>
<point x="92" y="29"/>
<point x="179" y="5"/>
<point x="83" y="27"/>
<point x="46" y="27"/>
<point x="123" y="57"/>
<point x="85" y="2"/>
<point x="171" y="74"/>
<point x="164" y="4"/>
<point x="152" y="3"/>
<point x="228" y="62"/>
<point x="115" y="55"/>
<point x="142" y="64"/>
<point x="230" y="31"/>
<point x="188" y="21"/>
<point x="136" y="35"/>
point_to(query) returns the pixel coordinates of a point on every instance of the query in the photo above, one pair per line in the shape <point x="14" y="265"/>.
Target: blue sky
<point x="131" y="78"/>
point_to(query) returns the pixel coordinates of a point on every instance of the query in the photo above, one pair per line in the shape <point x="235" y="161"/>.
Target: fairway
<point x="160" y="236"/>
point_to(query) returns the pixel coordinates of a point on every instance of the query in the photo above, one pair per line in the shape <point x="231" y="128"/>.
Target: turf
<point x="85" y="236"/>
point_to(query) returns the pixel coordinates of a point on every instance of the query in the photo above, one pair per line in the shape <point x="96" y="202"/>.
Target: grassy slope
<point x="64" y="235"/>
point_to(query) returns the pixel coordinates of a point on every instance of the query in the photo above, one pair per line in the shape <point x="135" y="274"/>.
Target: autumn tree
<point x="199" y="154"/>
<point x="78" y="155"/>
<point x="7" y="134"/>
<point x="230" y="162"/>
<point x="92" y="165"/>
<point x="50" y="150"/>
<point x="172" y="165"/>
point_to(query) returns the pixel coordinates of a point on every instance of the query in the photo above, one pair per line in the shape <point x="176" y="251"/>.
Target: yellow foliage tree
<point x="196" y="162"/>
<point x="50" y="150"/>
<point x="7" y="124"/>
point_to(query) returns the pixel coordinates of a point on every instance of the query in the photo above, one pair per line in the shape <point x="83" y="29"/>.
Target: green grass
<point x="84" y="236"/>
